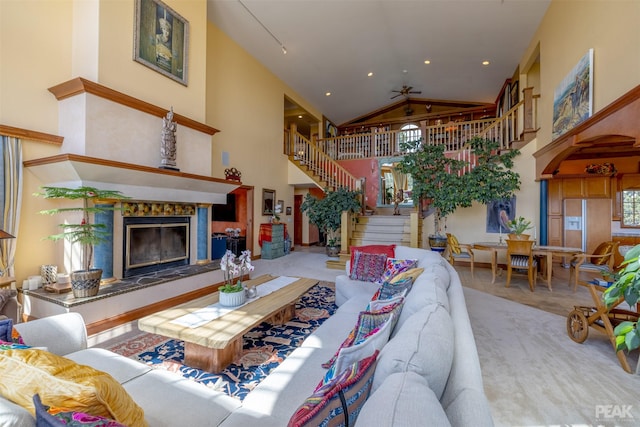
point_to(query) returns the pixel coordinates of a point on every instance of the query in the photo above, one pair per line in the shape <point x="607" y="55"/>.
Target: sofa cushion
<point x="325" y="406"/>
<point x="388" y="250"/>
<point x="367" y="267"/>
<point x="349" y="355"/>
<point x="403" y="399"/>
<point x="122" y="368"/>
<point x="424" y="345"/>
<point x="369" y="321"/>
<point x="63" y="383"/>
<point x="347" y="288"/>
<point x="412" y="274"/>
<point x="54" y="417"/>
<point x="423" y="293"/>
<point x="424" y="256"/>
<point x="395" y="266"/>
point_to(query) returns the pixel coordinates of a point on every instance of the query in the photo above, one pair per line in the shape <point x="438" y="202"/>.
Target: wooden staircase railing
<point x="324" y="170"/>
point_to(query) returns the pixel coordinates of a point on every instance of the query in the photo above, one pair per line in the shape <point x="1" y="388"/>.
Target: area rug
<point x="264" y="347"/>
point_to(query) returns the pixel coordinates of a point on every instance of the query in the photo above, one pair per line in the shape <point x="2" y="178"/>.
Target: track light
<point x="284" y="49"/>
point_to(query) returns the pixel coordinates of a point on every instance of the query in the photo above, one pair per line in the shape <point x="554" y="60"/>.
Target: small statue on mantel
<point x="168" y="143"/>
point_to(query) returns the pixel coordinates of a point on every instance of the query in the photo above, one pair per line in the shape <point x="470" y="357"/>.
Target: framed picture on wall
<point x="268" y="201"/>
<point x="573" y="97"/>
<point x="161" y="39"/>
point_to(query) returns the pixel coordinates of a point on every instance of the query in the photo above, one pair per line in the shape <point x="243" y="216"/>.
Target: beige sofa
<point x="428" y="372"/>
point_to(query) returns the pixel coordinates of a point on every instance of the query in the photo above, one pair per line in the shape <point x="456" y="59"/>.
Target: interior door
<point x="297" y="220"/>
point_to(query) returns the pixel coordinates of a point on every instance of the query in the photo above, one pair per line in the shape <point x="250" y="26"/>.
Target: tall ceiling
<point x="332" y="45"/>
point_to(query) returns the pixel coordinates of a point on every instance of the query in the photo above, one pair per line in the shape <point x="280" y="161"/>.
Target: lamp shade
<point x="5" y="235"/>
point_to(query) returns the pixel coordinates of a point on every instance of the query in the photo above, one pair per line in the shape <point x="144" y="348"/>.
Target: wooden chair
<point x="459" y="251"/>
<point x="600" y="262"/>
<point x="520" y="257"/>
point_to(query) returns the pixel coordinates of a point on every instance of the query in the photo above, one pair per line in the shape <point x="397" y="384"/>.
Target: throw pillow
<point x="388" y="250"/>
<point x="367" y="267"/>
<point x="413" y="273"/>
<point x="602" y="249"/>
<point x="338" y="402"/>
<point x="63" y="383"/>
<point x="52" y="417"/>
<point x="368" y="322"/>
<point x="6" y="328"/>
<point x="389" y="290"/>
<point x="395" y="266"/>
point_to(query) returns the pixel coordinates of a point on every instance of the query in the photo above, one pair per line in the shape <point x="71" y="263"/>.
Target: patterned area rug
<point x="264" y="347"/>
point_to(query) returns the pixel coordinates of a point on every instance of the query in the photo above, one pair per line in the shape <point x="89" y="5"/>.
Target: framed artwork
<point x="161" y="39"/>
<point x="288" y="210"/>
<point x="499" y="212"/>
<point x="268" y="201"/>
<point x="573" y="97"/>
<point x="280" y="206"/>
<point x="330" y="129"/>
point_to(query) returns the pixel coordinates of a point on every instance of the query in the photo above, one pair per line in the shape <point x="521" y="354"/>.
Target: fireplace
<point x="154" y="243"/>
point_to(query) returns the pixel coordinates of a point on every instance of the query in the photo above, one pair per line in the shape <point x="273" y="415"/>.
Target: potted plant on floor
<point x="326" y="213"/>
<point x="446" y="183"/>
<point x="84" y="282"/>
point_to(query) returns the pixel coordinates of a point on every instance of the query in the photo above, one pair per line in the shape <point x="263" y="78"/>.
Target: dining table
<point x="538" y="250"/>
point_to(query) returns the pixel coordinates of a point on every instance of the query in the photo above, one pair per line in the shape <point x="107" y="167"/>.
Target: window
<point x="631" y="208"/>
<point x="409" y="133"/>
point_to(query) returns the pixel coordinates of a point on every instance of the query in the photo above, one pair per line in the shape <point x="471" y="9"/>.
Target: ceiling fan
<point x="405" y="91"/>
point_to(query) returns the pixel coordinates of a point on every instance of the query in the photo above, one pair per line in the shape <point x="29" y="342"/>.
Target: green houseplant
<point x="447" y="183"/>
<point x="518" y="226"/>
<point x="326" y="213"/>
<point x="84" y="282"/>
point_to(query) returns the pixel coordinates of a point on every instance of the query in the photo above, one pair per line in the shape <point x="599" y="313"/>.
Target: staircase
<point x="381" y="230"/>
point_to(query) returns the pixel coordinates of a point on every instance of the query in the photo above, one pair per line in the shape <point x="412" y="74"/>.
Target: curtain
<point x="399" y="179"/>
<point x="10" y="200"/>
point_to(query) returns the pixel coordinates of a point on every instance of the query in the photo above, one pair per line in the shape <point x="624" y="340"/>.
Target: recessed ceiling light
<point x="485" y="62"/>
<point x="327" y="94"/>
<point x="301" y="116"/>
<point x="426" y="61"/>
<point x="370" y="74"/>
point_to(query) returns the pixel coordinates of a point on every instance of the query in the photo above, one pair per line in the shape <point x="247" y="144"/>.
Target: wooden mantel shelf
<point x="79" y="85"/>
<point x="136" y="181"/>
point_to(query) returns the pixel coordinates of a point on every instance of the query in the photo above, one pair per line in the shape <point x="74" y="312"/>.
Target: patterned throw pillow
<point x="395" y="266"/>
<point x="413" y="273"/>
<point x="388" y="290"/>
<point x="368" y="322"/>
<point x="388" y="250"/>
<point x="339" y="401"/>
<point x="52" y="417"/>
<point x="368" y="267"/>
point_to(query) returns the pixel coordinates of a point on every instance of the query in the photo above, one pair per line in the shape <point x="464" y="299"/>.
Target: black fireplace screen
<point x="153" y="244"/>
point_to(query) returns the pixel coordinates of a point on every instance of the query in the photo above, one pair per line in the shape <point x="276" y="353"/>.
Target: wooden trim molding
<point x="30" y="135"/>
<point x="79" y="85"/>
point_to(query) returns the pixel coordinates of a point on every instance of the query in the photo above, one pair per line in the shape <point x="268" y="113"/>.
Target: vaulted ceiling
<point x="331" y="47"/>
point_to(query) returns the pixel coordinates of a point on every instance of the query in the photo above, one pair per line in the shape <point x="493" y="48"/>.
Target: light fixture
<point x="284" y="49"/>
<point x="327" y="94"/>
<point x="426" y="61"/>
<point x="370" y="74"/>
<point x="300" y="117"/>
<point x="485" y="62"/>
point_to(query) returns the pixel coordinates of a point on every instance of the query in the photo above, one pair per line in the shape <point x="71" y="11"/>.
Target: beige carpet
<point x="534" y="375"/>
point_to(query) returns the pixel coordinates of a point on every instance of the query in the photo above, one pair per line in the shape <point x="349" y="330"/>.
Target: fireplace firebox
<point x="154" y="243"/>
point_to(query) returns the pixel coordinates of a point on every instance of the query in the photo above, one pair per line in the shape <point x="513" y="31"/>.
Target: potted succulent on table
<point x="326" y="213"/>
<point x="517" y="227"/>
<point x="84" y="282"/>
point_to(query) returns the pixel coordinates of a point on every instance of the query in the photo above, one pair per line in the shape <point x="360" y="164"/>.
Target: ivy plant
<point x="326" y="213"/>
<point x="448" y="183"/>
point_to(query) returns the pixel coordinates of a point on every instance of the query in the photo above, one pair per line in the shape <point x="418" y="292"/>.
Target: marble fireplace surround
<point x="112" y="141"/>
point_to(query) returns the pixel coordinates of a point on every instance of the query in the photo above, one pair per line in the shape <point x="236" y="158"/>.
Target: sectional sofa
<point x="427" y="372"/>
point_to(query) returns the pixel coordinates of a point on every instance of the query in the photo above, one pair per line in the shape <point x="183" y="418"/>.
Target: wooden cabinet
<point x="555" y="197"/>
<point x="272" y="239"/>
<point x="572" y="188"/>
<point x="597" y="187"/>
<point x="555" y="227"/>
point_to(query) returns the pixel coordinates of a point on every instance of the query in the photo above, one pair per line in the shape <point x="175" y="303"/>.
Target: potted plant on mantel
<point x="326" y="213"/>
<point x="85" y="282"/>
<point x="446" y="183"/>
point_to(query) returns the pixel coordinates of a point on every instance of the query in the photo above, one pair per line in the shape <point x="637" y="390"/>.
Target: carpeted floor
<point x="264" y="347"/>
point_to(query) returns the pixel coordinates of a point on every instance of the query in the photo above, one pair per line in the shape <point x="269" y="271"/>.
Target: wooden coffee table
<point x="214" y="345"/>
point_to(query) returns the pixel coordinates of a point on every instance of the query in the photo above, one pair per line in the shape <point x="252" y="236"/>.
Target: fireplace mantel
<point x="135" y="181"/>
